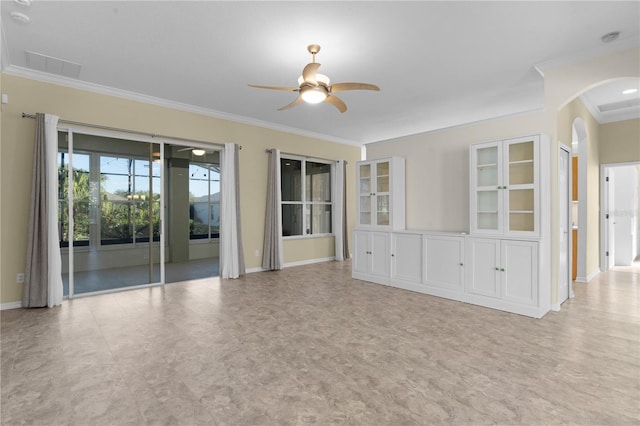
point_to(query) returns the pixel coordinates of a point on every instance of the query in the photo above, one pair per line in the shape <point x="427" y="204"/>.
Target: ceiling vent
<point x="49" y="64"/>
<point x="629" y="103"/>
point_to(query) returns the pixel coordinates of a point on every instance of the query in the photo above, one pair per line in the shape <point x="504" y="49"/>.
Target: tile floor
<point x="116" y="278"/>
<point x="310" y="345"/>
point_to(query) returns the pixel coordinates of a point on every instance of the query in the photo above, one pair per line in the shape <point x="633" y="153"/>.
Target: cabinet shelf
<point x="521" y="211"/>
<point x="480" y="166"/>
<point x="521" y="162"/>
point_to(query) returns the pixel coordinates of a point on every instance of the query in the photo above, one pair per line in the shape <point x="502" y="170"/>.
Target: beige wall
<point x="437" y="168"/>
<point x="83" y="106"/>
<point x="437" y="162"/>
<point x="620" y="142"/>
<point x="566" y="117"/>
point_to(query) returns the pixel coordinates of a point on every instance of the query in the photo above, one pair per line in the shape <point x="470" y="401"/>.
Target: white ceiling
<point x="439" y="64"/>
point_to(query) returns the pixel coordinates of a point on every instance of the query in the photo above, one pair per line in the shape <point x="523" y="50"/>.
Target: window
<point x="80" y="199"/>
<point x="117" y="196"/>
<point x="204" y="201"/>
<point x="127" y="190"/>
<point x="306" y="197"/>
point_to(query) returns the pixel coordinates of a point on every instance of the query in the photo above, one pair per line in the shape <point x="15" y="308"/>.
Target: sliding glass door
<point x="113" y="232"/>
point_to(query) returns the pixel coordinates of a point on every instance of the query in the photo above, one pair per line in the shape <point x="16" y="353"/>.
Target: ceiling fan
<point x="315" y="88"/>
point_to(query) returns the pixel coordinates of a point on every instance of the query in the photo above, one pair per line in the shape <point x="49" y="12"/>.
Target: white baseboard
<point x="593" y="274"/>
<point x="555" y="307"/>
<point x="589" y="277"/>
<point x="11" y="305"/>
<point x="291" y="264"/>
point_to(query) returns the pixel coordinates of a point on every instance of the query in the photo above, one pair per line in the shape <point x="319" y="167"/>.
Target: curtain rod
<point x="304" y="156"/>
<point x="135" y="132"/>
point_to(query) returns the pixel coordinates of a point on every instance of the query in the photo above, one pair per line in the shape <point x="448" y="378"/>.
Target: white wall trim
<point x="138" y="97"/>
<point x="11" y="305"/>
<point x="555" y="307"/>
<point x="292" y="264"/>
<point x="589" y="277"/>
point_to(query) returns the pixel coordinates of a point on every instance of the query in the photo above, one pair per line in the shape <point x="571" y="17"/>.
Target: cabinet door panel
<point x="407" y="257"/>
<point x="519" y="278"/>
<point x="484" y="258"/>
<point x="443" y="262"/>
<point x="380" y="256"/>
<point x="361" y="250"/>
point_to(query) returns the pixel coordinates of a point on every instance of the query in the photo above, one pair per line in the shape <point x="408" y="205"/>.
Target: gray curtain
<point x="272" y="257"/>
<point x="35" y="291"/>
<point x="236" y="168"/>
<point x="344" y="231"/>
<point x="231" y="254"/>
<point x="43" y="273"/>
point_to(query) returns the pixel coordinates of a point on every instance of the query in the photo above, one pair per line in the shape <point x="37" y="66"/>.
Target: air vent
<point x="629" y="103"/>
<point x="49" y="64"/>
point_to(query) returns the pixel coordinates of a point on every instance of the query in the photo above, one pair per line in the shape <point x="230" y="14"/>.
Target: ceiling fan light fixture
<point x="198" y="152"/>
<point x="313" y="95"/>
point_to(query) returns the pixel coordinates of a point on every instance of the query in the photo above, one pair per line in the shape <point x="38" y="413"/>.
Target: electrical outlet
<point x="20" y="277"/>
<point x="257" y="253"/>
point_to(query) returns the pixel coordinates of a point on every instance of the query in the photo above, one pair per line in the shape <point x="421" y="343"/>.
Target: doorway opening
<point x="619" y="221"/>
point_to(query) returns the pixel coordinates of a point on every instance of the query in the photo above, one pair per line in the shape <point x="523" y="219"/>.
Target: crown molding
<point x="585" y="55"/>
<point x="165" y="103"/>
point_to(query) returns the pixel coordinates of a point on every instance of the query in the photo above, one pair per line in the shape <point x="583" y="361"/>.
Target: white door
<point x="406" y="255"/>
<point x="444" y="262"/>
<point x="361" y="256"/>
<point x="519" y="271"/>
<point x="564" y="221"/>
<point x="609" y="215"/>
<point x="484" y="260"/>
<point x="379" y="254"/>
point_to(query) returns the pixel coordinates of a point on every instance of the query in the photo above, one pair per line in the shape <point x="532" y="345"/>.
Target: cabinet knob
<point x="461" y="264"/>
<point x="497" y="269"/>
<point x="502" y="269"/>
<point x="393" y="255"/>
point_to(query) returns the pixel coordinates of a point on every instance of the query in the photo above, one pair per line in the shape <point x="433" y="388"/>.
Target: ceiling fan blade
<point x="336" y="102"/>
<point x="309" y="73"/>
<point x="341" y="87"/>
<point x="289" y="89"/>
<point x="292" y="104"/>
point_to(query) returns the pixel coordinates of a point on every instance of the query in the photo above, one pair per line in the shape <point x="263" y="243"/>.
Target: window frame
<point x="304" y="203"/>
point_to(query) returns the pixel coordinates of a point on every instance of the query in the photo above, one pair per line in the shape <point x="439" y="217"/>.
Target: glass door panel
<point x="382" y="176"/>
<point x="487" y="166"/>
<point x="115" y="210"/>
<point x="382" y="210"/>
<point x="488" y="210"/>
<point x="364" y="186"/>
<point x="521" y="210"/>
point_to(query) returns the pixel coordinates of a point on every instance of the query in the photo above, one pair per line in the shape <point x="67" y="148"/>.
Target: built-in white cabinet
<point x="505" y="187"/>
<point x="371" y="260"/>
<point x="381" y="194"/>
<point x="406" y="258"/>
<point x="504" y="275"/>
<point x="444" y="264"/>
<point x="503" y="264"/>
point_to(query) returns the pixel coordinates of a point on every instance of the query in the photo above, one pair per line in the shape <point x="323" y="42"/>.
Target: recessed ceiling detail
<point x="49" y="64"/>
<point x="619" y="105"/>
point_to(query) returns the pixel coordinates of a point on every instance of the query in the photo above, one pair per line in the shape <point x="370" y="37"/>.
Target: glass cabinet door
<point x="382" y="193"/>
<point x="520" y="184"/>
<point x="488" y="187"/>
<point x="364" y="193"/>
